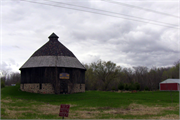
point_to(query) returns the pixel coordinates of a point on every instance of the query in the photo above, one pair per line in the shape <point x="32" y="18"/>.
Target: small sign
<point x="64" y="110"/>
<point x="64" y="76"/>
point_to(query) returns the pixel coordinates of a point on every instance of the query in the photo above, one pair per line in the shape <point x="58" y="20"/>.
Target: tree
<point x="132" y="86"/>
<point x="121" y="86"/>
<point x="127" y="74"/>
<point x="102" y="74"/>
<point x="2" y="82"/>
<point x="152" y="78"/>
<point x="126" y="86"/>
<point x="13" y="78"/>
<point x="140" y="75"/>
<point x="137" y="86"/>
<point x="90" y="78"/>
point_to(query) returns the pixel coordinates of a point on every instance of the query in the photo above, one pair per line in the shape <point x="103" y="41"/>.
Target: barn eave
<point x="53" y="61"/>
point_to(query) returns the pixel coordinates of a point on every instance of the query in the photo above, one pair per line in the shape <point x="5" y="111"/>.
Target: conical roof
<point x="53" y="54"/>
<point x="53" y="48"/>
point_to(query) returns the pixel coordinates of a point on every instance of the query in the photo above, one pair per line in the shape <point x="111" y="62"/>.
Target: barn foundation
<point x="47" y="88"/>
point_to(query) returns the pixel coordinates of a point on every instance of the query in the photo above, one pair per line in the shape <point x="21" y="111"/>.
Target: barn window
<point x="80" y="86"/>
<point x="40" y="86"/>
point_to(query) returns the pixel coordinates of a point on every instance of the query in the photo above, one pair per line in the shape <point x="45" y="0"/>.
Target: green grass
<point x="85" y="101"/>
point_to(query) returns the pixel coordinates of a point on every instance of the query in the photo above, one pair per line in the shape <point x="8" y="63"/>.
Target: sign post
<point x="64" y="110"/>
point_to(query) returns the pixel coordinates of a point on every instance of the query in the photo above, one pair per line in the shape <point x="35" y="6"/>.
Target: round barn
<point x="53" y="69"/>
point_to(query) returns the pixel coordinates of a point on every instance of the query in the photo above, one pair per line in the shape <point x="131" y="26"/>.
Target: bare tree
<point x="140" y="74"/>
<point x="13" y="78"/>
<point x="103" y="74"/>
<point x="128" y="75"/>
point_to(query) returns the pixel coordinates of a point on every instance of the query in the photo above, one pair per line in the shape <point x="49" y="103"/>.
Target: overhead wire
<point x="110" y="12"/>
<point x="137" y="7"/>
<point x="98" y="13"/>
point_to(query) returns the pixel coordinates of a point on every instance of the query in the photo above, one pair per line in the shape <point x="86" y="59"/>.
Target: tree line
<point x="8" y="79"/>
<point x="102" y="75"/>
<point x="106" y="75"/>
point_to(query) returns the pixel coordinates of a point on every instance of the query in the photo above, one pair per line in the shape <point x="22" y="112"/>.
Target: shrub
<point x="113" y="88"/>
<point x="132" y="86"/>
<point x="121" y="86"/>
<point x="146" y="88"/>
<point x="137" y="85"/>
<point x="18" y="84"/>
<point x="126" y="86"/>
<point x="2" y="84"/>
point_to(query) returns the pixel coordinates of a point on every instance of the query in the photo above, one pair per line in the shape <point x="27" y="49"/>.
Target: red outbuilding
<point x="170" y="85"/>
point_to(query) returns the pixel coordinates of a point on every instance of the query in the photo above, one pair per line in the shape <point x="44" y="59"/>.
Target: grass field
<point x="16" y="104"/>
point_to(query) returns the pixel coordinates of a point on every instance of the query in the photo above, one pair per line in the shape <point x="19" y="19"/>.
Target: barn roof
<point x="53" y="48"/>
<point x="53" y="54"/>
<point x="171" y="81"/>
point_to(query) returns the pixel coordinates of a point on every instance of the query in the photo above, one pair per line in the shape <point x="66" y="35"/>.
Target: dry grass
<point x="54" y="109"/>
<point x="88" y="113"/>
<point x="49" y="109"/>
<point x="122" y="91"/>
<point x="136" y="109"/>
<point x="6" y="101"/>
<point x="132" y="109"/>
<point x="15" y="114"/>
<point x="167" y="117"/>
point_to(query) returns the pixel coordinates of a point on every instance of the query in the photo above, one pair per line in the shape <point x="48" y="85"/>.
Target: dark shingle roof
<point x="53" y="48"/>
<point x="53" y="35"/>
<point x="53" y="54"/>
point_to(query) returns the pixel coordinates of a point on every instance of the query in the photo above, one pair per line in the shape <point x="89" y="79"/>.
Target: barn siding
<point x="168" y="86"/>
<point x="50" y="75"/>
<point x="45" y="75"/>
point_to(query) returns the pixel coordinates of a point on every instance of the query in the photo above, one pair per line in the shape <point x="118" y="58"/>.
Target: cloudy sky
<point x="126" y="32"/>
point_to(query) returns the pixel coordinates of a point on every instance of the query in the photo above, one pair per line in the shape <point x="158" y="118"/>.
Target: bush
<point x="18" y="84"/>
<point x="2" y="84"/>
<point x="146" y="88"/>
<point x="137" y="85"/>
<point x="113" y="88"/>
<point x="121" y="86"/>
<point x="126" y="86"/>
<point x="132" y="86"/>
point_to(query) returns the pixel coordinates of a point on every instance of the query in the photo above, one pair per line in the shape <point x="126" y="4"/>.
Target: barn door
<point x="64" y="82"/>
<point x="63" y="86"/>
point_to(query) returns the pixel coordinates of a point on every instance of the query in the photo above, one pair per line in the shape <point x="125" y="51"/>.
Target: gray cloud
<point x="5" y="67"/>
<point x="90" y="36"/>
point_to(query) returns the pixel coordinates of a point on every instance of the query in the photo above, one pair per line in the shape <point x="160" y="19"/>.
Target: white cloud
<point x="27" y="26"/>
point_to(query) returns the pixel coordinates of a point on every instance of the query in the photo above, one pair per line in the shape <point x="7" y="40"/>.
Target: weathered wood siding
<point x="46" y="75"/>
